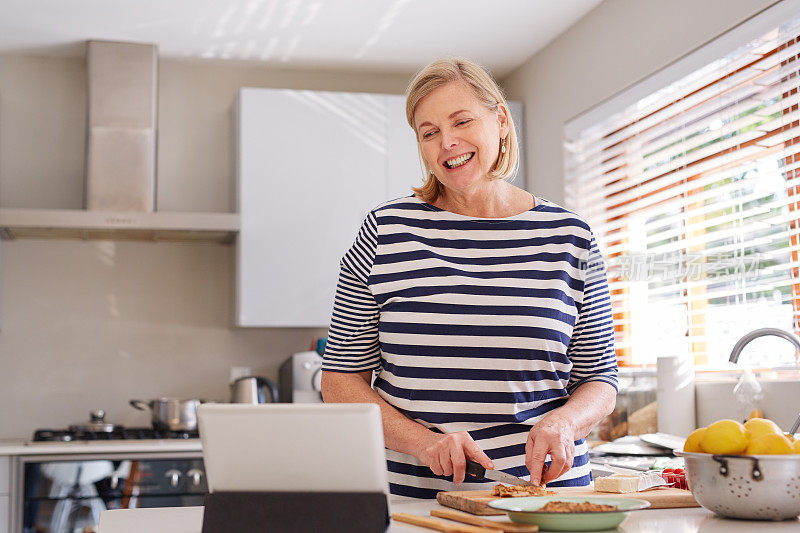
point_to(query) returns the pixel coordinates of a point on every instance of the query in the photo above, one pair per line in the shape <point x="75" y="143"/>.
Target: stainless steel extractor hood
<point x="120" y="177"/>
<point x="118" y="225"/>
<point x="122" y="110"/>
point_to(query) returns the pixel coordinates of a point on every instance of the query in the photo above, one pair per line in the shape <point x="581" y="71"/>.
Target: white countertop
<point x="190" y="520"/>
<point x="21" y="447"/>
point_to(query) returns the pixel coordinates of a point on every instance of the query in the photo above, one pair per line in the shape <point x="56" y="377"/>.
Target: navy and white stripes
<point x="479" y="325"/>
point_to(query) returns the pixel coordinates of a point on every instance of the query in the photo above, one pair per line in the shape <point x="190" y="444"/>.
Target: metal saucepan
<point x="170" y="413"/>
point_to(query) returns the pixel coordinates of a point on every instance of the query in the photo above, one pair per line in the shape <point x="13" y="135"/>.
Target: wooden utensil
<point x="505" y="526"/>
<point x="476" y="501"/>
<point x="440" y="525"/>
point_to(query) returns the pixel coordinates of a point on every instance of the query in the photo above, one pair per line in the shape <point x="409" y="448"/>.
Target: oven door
<point x="67" y="495"/>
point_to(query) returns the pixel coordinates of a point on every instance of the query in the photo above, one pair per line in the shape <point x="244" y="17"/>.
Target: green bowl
<point x="526" y="511"/>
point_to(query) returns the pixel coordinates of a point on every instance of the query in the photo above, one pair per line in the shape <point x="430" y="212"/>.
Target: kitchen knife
<point x="496" y="475"/>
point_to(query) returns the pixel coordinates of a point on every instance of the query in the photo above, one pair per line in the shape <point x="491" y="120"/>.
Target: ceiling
<point x="377" y="35"/>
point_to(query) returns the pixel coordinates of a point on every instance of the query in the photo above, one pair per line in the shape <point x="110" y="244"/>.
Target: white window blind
<point x="693" y="194"/>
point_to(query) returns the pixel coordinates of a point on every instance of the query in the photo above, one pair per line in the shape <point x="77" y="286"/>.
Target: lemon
<point x="796" y="446"/>
<point x="770" y="444"/>
<point x="756" y="427"/>
<point x="693" y="441"/>
<point x="724" y="436"/>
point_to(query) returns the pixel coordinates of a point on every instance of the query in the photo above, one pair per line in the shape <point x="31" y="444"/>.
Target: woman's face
<point x="459" y="136"/>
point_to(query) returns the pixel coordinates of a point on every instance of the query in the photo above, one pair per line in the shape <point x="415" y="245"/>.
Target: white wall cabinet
<point x="310" y="166"/>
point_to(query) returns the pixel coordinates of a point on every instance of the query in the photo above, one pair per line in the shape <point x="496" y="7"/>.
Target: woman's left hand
<point x="552" y="435"/>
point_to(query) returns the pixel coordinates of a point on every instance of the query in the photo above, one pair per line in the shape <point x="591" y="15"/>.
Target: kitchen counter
<point x="21" y="447"/>
<point x="190" y="520"/>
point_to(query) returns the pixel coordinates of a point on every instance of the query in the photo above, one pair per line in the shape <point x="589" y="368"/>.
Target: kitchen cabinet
<point x="310" y="166"/>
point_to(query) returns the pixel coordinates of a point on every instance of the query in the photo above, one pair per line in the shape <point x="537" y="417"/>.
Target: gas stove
<point x="118" y="433"/>
<point x="67" y="476"/>
<point x="97" y="429"/>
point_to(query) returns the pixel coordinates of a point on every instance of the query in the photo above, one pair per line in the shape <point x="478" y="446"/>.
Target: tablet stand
<point x="295" y="512"/>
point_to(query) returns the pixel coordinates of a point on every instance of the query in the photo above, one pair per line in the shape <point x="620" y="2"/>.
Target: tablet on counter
<point x="293" y="447"/>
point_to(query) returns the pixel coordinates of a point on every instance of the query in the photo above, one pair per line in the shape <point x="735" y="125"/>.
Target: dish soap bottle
<point x="747" y="394"/>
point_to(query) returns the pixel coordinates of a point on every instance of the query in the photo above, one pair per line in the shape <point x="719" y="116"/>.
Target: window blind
<point x="693" y="194"/>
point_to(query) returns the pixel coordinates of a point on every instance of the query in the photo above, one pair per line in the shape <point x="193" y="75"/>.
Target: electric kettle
<point x="253" y="389"/>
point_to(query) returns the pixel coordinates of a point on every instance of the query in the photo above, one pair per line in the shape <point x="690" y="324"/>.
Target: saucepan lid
<point x="97" y="423"/>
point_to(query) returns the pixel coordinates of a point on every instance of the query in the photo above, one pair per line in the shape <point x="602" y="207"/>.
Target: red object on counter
<point x="675" y="476"/>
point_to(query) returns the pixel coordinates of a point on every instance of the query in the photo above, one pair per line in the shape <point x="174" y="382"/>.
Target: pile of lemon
<point x="757" y="436"/>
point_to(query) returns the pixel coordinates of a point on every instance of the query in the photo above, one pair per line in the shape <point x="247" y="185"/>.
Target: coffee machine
<point x="300" y="378"/>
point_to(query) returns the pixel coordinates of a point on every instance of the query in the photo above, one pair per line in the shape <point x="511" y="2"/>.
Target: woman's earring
<point x="503" y="145"/>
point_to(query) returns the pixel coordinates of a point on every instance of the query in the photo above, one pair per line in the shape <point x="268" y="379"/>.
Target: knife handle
<point x="476" y="469"/>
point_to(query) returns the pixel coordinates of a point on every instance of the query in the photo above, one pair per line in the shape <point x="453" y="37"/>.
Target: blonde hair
<point x="439" y="73"/>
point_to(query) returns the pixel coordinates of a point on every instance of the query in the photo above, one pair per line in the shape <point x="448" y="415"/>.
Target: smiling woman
<point x="483" y="310"/>
<point x="477" y="116"/>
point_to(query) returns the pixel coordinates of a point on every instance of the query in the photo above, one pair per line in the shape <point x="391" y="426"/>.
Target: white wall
<point x="88" y="325"/>
<point x="612" y="47"/>
<point x="715" y="401"/>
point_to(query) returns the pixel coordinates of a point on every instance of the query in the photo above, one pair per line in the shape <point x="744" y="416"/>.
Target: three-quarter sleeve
<point x="353" y="334"/>
<point x="591" y="349"/>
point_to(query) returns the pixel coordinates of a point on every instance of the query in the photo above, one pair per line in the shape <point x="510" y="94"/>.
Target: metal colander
<point x="756" y="487"/>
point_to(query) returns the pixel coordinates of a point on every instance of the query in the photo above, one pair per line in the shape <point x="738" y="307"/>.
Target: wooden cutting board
<point x="476" y="501"/>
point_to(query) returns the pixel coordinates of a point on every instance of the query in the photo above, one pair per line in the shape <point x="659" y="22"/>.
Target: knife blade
<point x="495" y="475"/>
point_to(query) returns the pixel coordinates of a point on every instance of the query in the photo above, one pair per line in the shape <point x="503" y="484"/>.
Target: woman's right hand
<point x="447" y="453"/>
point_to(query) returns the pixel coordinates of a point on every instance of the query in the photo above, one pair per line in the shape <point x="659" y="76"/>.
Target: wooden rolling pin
<point x="440" y="525"/>
<point x="505" y="526"/>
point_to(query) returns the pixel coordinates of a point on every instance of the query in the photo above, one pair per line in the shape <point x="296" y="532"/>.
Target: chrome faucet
<point x="763" y="332"/>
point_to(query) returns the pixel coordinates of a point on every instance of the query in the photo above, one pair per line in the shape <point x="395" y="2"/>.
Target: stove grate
<point x="119" y="433"/>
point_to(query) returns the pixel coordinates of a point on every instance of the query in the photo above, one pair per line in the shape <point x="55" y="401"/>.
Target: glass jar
<point x="635" y="412"/>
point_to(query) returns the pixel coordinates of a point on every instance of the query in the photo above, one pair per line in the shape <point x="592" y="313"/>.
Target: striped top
<point x="473" y="324"/>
